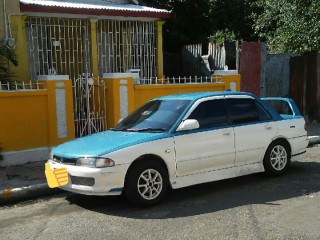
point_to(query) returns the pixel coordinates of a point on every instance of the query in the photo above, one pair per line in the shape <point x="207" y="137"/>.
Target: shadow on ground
<point x="301" y="179"/>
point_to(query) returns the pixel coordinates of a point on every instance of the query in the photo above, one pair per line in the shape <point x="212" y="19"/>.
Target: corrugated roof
<point x="93" y="4"/>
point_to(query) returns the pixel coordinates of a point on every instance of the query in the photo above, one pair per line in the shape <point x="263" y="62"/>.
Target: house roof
<point x="93" y="7"/>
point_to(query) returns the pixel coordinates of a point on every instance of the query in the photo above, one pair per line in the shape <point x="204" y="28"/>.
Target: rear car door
<point x="211" y="146"/>
<point x="254" y="128"/>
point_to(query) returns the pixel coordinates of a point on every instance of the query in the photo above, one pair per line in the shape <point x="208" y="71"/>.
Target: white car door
<point x="211" y="146"/>
<point x="253" y="129"/>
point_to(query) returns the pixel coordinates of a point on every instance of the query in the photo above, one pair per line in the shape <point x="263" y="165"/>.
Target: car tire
<point x="146" y="183"/>
<point x="277" y="158"/>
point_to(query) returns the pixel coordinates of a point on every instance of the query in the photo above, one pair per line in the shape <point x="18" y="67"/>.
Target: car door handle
<point x="226" y="133"/>
<point x="268" y="127"/>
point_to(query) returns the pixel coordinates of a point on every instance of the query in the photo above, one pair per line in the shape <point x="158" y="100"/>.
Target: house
<point x="76" y="37"/>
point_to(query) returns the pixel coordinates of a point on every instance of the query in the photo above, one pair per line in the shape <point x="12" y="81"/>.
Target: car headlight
<point x="95" y="162"/>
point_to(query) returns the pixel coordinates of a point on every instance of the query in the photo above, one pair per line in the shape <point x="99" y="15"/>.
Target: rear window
<point x="281" y="107"/>
<point x="242" y="110"/>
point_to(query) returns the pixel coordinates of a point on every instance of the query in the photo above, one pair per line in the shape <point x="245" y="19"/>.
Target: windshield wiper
<point x="147" y="130"/>
<point x="117" y="129"/>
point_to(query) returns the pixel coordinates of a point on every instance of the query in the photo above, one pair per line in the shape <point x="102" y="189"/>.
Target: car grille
<point x="67" y="161"/>
<point x="84" y="181"/>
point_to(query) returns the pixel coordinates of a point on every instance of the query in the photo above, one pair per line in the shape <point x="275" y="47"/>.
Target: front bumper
<point x="93" y="181"/>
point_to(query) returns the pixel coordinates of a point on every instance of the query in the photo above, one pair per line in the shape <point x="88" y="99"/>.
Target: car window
<point x="242" y="110"/>
<point x="210" y="114"/>
<point x="263" y="114"/>
<point x="281" y="107"/>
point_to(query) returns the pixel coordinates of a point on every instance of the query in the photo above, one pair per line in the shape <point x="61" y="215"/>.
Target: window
<point x="156" y="115"/>
<point x="263" y="114"/>
<point x="210" y="114"/>
<point x="242" y="110"/>
<point x="281" y="107"/>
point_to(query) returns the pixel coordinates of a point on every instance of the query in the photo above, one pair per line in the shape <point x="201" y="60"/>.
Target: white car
<point x="182" y="140"/>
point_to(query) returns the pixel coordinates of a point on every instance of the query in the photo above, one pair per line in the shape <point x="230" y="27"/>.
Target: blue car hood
<point x="105" y="142"/>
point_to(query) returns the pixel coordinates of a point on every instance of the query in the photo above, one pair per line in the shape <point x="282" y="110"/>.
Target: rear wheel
<point x="146" y="183"/>
<point x="277" y="158"/>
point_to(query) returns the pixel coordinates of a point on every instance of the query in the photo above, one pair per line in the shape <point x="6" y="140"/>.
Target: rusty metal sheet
<point x="251" y="67"/>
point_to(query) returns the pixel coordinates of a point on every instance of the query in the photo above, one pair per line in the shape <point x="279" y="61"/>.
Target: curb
<point x="28" y="192"/>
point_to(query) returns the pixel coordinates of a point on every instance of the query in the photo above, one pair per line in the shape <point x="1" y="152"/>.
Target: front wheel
<point x="146" y="184"/>
<point x="277" y="158"/>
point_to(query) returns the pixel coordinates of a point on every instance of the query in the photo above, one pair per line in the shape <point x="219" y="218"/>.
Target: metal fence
<point x="180" y="80"/>
<point x="218" y="55"/>
<point x="194" y="59"/>
<point x="21" y="86"/>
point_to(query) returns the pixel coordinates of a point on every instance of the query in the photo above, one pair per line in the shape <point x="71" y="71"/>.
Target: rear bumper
<point x="299" y="157"/>
<point x="299" y="148"/>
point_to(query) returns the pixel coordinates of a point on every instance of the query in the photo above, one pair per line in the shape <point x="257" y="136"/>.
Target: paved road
<point x="251" y="207"/>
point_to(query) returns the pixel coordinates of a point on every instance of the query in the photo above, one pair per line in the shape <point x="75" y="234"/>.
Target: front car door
<point x="210" y="147"/>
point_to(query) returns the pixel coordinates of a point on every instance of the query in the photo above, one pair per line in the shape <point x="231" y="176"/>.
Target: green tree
<point x="7" y="56"/>
<point x="233" y="20"/>
<point x="193" y="22"/>
<point x="289" y="25"/>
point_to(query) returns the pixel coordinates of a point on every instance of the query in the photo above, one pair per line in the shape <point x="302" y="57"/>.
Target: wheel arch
<point x="284" y="141"/>
<point x="152" y="158"/>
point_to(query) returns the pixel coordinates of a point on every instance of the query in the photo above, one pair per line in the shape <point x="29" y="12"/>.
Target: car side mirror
<point x="188" y="124"/>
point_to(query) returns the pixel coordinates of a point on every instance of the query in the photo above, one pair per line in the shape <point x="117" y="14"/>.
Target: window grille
<point x="124" y="45"/>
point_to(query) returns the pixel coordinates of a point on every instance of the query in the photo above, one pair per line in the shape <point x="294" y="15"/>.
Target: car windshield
<point x="154" y="116"/>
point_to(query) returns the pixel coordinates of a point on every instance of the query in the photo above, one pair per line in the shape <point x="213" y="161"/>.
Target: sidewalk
<point x="28" y="180"/>
<point x="23" y="181"/>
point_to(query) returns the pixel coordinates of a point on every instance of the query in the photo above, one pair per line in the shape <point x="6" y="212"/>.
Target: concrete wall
<point x="277" y="75"/>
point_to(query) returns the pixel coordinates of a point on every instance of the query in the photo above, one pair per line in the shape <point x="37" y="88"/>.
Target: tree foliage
<point x="7" y="56"/>
<point x="233" y="19"/>
<point x="289" y="25"/>
<point x="286" y="25"/>
<point x="193" y="22"/>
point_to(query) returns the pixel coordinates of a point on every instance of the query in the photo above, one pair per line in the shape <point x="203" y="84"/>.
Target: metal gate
<point x="90" y="105"/>
<point x="61" y="46"/>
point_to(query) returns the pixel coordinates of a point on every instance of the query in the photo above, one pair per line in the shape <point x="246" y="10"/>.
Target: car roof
<point x="198" y="95"/>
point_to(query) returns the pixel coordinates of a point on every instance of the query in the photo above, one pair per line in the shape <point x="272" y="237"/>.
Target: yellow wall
<point x="159" y="44"/>
<point x="28" y="119"/>
<point x="113" y="98"/>
<point x="144" y="93"/>
<point x="23" y="120"/>
<point x="227" y="79"/>
<point x="140" y="94"/>
<point x="21" y="72"/>
<point x="52" y="86"/>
